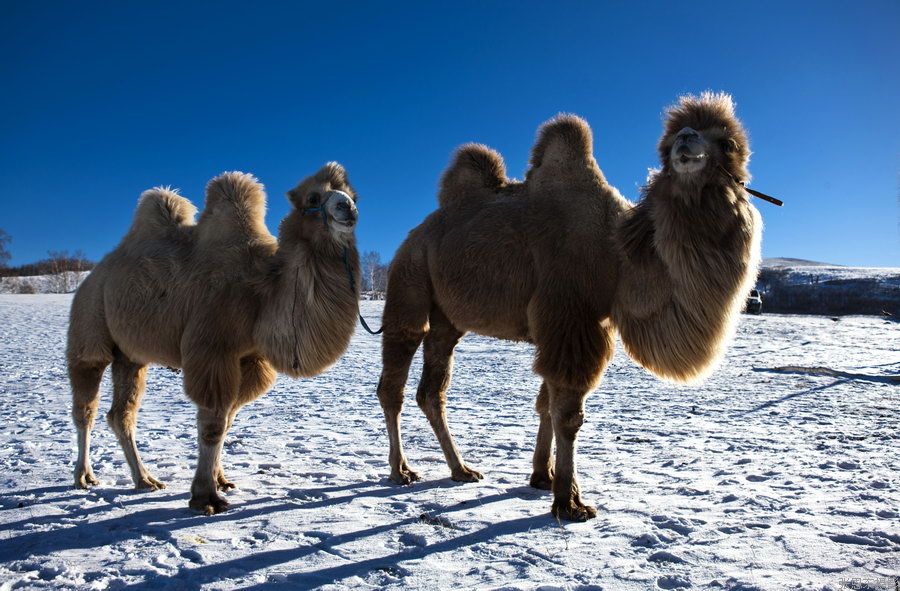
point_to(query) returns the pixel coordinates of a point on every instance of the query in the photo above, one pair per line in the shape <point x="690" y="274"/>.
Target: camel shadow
<point x="194" y="578"/>
<point x="159" y="522"/>
<point x="162" y="522"/>
<point x="6" y="503"/>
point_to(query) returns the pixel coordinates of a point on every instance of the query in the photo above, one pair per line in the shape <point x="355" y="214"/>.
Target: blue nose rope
<point x="320" y="209"/>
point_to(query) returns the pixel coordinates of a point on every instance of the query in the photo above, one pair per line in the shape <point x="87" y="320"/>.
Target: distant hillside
<point x="787" y="262"/>
<point x="806" y="287"/>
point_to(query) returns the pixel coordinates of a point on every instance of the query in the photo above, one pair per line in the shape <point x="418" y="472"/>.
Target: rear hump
<point x="235" y="209"/>
<point x="475" y="169"/>
<point x="161" y="210"/>
<point x="563" y="152"/>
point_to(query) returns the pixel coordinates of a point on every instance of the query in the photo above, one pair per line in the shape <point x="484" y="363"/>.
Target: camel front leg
<point x="542" y="464"/>
<point x="397" y="354"/>
<point x="222" y="483"/>
<point x="567" y="416"/>
<point x="211" y="427"/>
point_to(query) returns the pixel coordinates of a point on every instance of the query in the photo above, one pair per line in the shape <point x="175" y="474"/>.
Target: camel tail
<point x="564" y="148"/>
<point x="160" y="209"/>
<point x="474" y="168"/>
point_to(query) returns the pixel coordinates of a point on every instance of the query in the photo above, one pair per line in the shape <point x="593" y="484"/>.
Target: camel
<point x="222" y="300"/>
<point x="562" y="260"/>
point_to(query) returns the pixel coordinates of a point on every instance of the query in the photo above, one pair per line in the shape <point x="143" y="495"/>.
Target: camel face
<point x="702" y="136"/>
<point x="326" y="203"/>
<point x="340" y="211"/>
<point x="690" y="151"/>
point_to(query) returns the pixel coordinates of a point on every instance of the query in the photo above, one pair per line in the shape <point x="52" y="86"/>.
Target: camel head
<point x="702" y="136"/>
<point x="324" y="206"/>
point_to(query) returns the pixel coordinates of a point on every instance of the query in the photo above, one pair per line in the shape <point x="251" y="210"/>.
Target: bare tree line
<point x="65" y="271"/>
<point x="374" y="275"/>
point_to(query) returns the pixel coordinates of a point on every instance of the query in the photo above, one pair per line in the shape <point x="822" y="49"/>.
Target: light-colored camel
<point x="561" y="260"/>
<point x="223" y="300"/>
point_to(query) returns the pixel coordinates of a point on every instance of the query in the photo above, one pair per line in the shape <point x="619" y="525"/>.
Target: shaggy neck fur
<point x="311" y="302"/>
<point x="690" y="252"/>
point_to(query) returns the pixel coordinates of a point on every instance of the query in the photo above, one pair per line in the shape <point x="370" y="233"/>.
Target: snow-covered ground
<point x="773" y="474"/>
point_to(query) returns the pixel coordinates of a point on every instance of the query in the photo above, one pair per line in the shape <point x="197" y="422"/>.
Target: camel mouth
<point x="685" y="157"/>
<point x="688" y="156"/>
<point x="344" y="226"/>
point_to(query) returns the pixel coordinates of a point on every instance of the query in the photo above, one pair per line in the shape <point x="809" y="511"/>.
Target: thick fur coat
<point x="562" y="260"/>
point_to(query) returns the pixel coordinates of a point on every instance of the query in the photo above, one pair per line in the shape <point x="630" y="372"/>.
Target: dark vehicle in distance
<point x="754" y="302"/>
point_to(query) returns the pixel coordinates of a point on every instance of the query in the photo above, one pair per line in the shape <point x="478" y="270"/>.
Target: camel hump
<point x="564" y="146"/>
<point x="235" y="209"/>
<point x="474" y="167"/>
<point x="237" y="194"/>
<point x="160" y="209"/>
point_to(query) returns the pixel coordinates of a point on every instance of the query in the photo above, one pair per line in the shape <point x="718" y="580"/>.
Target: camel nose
<point x="688" y="134"/>
<point x="342" y="207"/>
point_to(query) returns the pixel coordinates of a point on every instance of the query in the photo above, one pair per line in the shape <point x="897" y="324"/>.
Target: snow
<point x="781" y="471"/>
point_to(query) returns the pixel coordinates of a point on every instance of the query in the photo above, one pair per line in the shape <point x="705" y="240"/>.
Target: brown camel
<point x="561" y="260"/>
<point x="223" y="300"/>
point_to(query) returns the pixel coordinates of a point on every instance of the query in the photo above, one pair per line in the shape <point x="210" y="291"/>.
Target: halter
<point x="320" y="210"/>
<point x="759" y="194"/>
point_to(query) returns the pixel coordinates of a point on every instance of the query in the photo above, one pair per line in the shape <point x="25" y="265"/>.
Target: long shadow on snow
<point x="162" y="521"/>
<point x="194" y="578"/>
<point x="787" y="397"/>
<point x="151" y="522"/>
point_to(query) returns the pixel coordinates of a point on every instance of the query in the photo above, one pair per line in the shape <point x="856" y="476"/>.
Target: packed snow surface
<point x="781" y="471"/>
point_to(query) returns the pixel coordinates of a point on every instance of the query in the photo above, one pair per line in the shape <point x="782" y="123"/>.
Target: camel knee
<point x="84" y="414"/>
<point x="212" y="433"/>
<point x="542" y="404"/>
<point x="122" y="420"/>
<point x="430" y="401"/>
<point x="568" y="424"/>
<point x="390" y="394"/>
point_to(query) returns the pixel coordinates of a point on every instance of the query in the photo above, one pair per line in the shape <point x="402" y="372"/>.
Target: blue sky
<point x="100" y="103"/>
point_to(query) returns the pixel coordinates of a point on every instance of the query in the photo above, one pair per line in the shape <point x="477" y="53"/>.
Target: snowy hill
<point x="820" y="288"/>
<point x="788" y="262"/>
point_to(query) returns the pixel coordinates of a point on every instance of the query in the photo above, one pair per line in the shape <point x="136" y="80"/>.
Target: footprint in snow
<point x="673" y="582"/>
<point x="676" y="524"/>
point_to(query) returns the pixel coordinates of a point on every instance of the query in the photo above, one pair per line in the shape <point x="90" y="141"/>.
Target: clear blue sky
<point x="100" y="103"/>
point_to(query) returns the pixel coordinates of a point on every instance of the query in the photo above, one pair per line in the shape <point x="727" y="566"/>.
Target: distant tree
<point x="60" y="281"/>
<point x="369" y="264"/>
<point x="5" y="239"/>
<point x="379" y="280"/>
<point x="80" y="266"/>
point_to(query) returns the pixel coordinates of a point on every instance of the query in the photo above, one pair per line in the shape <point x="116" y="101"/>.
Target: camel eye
<point x="314" y="199"/>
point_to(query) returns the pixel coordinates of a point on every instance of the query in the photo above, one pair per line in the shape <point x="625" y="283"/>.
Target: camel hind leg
<point x="440" y="341"/>
<point x="85" y="380"/>
<point x="129" y="380"/>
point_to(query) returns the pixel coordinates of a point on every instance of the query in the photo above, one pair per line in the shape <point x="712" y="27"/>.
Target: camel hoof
<point x="466" y="475"/>
<point x="404" y="476"/>
<point x="147" y="482"/>
<point x="85" y="479"/>
<point x="210" y="504"/>
<point x="572" y="510"/>
<point x="225" y="485"/>
<point x="542" y="481"/>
